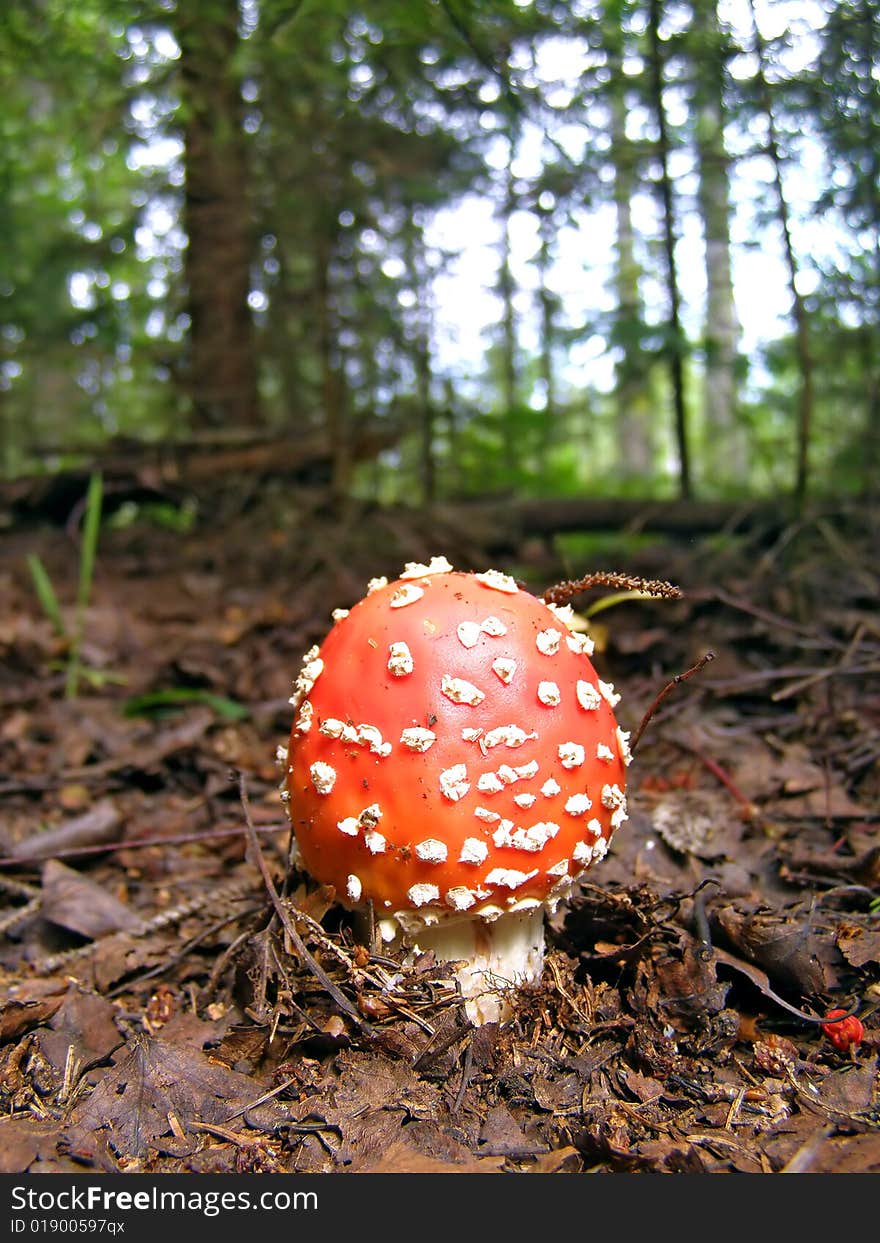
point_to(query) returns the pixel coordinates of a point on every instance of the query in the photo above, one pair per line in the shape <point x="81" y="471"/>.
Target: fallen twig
<point x="293" y="936"/>
<point x="667" y="689"/>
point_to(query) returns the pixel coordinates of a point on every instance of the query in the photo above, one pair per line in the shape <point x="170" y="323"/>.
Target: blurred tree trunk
<point x="725" y="440"/>
<point x="803" y="348"/>
<point x="548" y="304"/>
<point x="632" y="392"/>
<point x="332" y="383"/>
<point x="674" y="334"/>
<point x="506" y="291"/>
<point x="848" y="116"/>
<point x="420" y="344"/>
<point x="867" y="57"/>
<point x="222" y="375"/>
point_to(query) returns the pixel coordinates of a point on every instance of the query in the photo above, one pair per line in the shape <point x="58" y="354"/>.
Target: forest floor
<point x="154" y="1019"/>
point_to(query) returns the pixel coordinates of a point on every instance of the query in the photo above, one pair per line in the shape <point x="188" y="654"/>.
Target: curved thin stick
<point x="679" y="677"/>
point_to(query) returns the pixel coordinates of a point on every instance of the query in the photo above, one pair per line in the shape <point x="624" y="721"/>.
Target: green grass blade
<point x="46" y="594"/>
<point x="175" y="698"/>
<point x="87" y="557"/>
<point x="91" y="531"/>
<point x="616" y="597"/>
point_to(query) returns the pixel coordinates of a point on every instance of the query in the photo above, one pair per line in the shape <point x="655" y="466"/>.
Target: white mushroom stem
<point x="495" y="957"/>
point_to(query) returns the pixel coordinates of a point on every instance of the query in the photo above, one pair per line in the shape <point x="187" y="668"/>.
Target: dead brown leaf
<point x="77" y="903"/>
<point x="131" y="1104"/>
<point x="857" y="944"/>
<point x="401" y="1159"/>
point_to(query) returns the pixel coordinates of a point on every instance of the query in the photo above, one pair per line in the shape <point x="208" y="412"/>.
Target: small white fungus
<point x="473" y="850"/>
<point x="418" y="739"/>
<point x="547" y="641"/>
<point x="407" y="594"/>
<point x="510" y="735"/>
<point x="454" y="783"/>
<point x="607" y="691"/>
<point x="421" y="895"/>
<point x="468" y="633"/>
<point x="460" y="691"/>
<point x="509" y="877"/>
<point x="504" y="668"/>
<point x="583" y="854"/>
<point x="497" y="581"/>
<point x="587" y="696"/>
<point x="613" y="797"/>
<point x="431" y="850"/>
<point x="460" y="898"/>
<point x="323" y="776"/>
<point x="571" y="754"/>
<point x="415" y="569"/>
<point x="548" y="693"/>
<point x="579" y="643"/>
<point x="400" y="661"/>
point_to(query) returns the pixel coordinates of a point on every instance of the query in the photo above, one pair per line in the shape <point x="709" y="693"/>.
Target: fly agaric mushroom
<point x="455" y="761"/>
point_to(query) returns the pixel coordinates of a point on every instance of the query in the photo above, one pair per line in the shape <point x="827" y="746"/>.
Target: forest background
<point x="293" y="293"/>
<point x="605" y="248"/>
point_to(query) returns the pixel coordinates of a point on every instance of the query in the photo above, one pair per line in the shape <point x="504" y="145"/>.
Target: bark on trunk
<point x="506" y="290"/>
<point x="631" y="374"/>
<point x="550" y="430"/>
<point x="803" y="348"/>
<point x="222" y="374"/>
<point x="675" y="337"/>
<point x="420" y="320"/>
<point x="332" y="380"/>
<point x="725" y="441"/>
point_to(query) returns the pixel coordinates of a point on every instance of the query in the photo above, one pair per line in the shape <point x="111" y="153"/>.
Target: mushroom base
<point x="495" y="957"/>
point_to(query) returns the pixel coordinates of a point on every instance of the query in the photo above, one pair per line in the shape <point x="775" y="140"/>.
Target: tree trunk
<point x="870" y="32"/>
<point x="506" y="290"/>
<point x="222" y="375"/>
<point x="725" y="441"/>
<point x="632" y="392"/>
<point x="332" y="379"/>
<point x="550" y="430"/>
<point x="420" y="319"/>
<point x="803" y="347"/>
<point x="674" y="334"/>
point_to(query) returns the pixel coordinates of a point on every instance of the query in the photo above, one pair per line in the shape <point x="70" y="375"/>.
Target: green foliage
<point x="358" y="125"/>
<point x="166" y="702"/>
<point x="46" y="594"/>
<point x="75" y="671"/>
<point x="169" y="517"/>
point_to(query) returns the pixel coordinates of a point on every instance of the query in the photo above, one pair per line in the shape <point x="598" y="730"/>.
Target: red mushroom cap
<point x="454" y="750"/>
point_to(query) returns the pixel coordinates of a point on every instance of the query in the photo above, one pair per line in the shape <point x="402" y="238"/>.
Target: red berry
<point x="846" y="1033"/>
